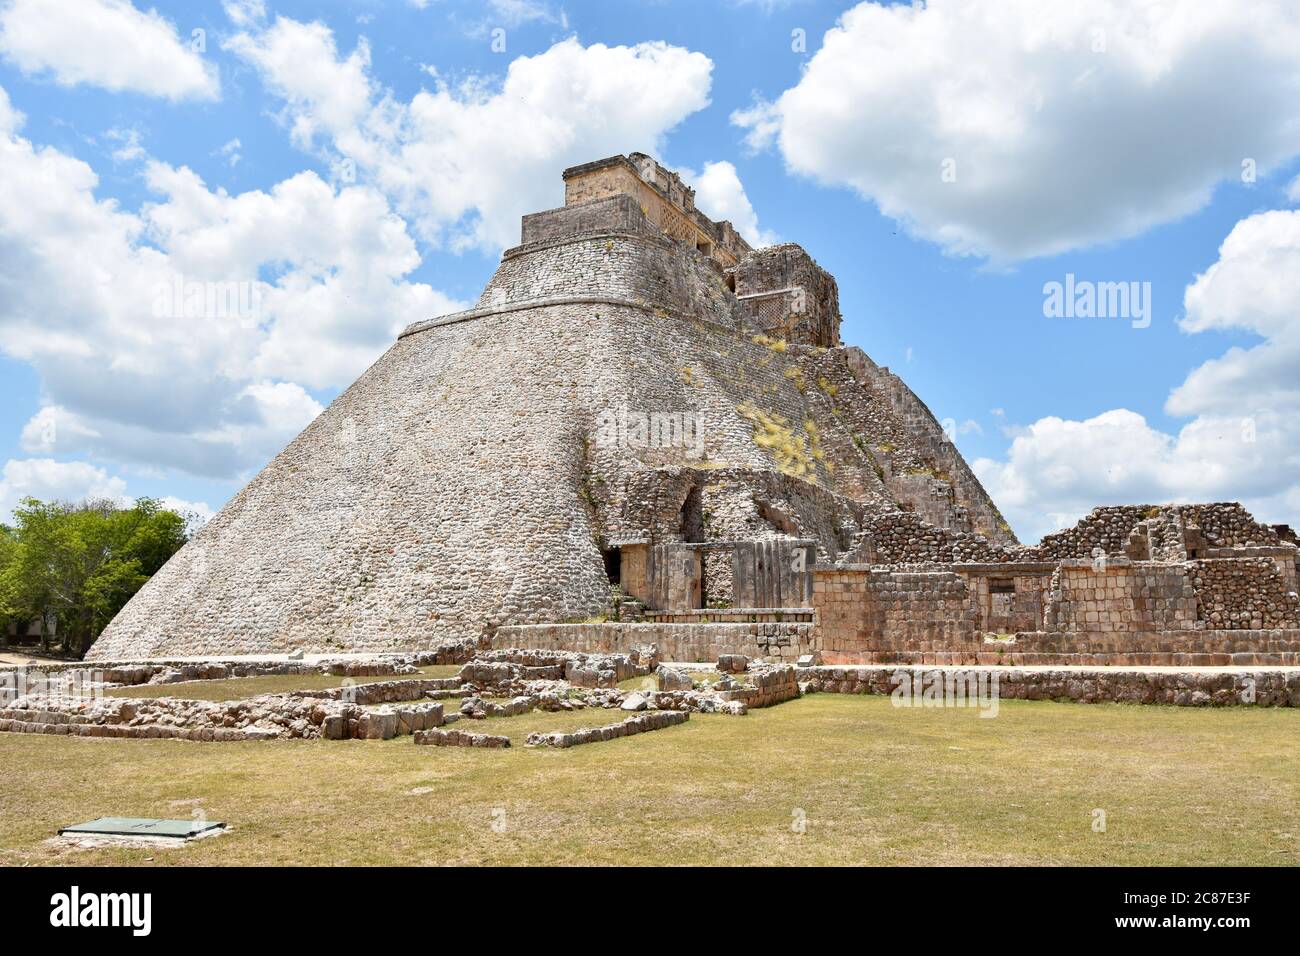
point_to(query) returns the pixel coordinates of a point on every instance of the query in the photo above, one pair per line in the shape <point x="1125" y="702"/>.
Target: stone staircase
<point x="625" y="607"/>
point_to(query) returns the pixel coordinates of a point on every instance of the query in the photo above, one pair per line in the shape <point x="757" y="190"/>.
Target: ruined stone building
<point x="645" y="429"/>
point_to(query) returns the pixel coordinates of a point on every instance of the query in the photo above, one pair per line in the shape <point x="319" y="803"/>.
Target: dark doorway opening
<point x="613" y="564"/>
<point x="693" y="515"/>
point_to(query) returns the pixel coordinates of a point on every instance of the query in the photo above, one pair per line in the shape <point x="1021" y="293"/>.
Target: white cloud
<point x="508" y="13"/>
<point x="1054" y="143"/>
<point x="201" y="511"/>
<point x="1293" y="190"/>
<point x="106" y="43"/>
<point x="231" y="152"/>
<point x="134" y="368"/>
<point x="245" y="13"/>
<point x="453" y="158"/>
<point x="720" y="195"/>
<point x="128" y="148"/>
<point x="75" y="481"/>
<point x="50" y="480"/>
<point x="299" y="62"/>
<point x="514" y="13"/>
<point x="1242" y="440"/>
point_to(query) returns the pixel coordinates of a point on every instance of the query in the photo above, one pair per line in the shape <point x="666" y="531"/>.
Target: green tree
<point x="9" y="596"/>
<point x="79" y="564"/>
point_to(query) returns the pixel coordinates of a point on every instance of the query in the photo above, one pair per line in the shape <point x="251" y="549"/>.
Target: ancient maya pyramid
<point x="633" y="377"/>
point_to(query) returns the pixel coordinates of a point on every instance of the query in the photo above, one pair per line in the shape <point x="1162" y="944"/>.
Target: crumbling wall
<point x="1118" y="596"/>
<point x="626" y="265"/>
<point x="784" y="293"/>
<point x="667" y="202"/>
<point x="675" y="642"/>
<point x="902" y="537"/>
<point x="869" y="614"/>
<point x="1179" y="531"/>
<point x="899" y="438"/>
<point x="1009" y="598"/>
<point x="1240" y="593"/>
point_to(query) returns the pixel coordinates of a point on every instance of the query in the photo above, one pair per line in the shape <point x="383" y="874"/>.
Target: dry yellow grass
<point x="877" y="784"/>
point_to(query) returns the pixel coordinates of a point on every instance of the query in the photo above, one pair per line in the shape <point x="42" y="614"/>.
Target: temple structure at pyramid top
<point x="664" y="199"/>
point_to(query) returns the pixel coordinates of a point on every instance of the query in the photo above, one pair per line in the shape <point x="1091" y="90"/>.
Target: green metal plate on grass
<point x="142" y="827"/>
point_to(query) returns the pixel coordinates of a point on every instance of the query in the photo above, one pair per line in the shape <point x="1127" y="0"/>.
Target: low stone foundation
<point x="460" y="738"/>
<point x="676" y="642"/>
<point x="640" y="724"/>
<point x="1236" y="648"/>
<point x="65" y="678"/>
<point x="770" y="685"/>
<point x="1182" y="688"/>
<point x="330" y="715"/>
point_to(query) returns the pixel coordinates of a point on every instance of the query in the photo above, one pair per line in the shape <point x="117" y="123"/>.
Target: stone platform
<point x="1178" y="686"/>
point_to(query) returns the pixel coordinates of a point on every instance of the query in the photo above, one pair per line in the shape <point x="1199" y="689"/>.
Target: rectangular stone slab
<point x="142" y="826"/>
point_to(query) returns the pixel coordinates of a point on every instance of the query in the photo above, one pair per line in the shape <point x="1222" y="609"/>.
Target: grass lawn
<point x="877" y="784"/>
<point x="236" y="688"/>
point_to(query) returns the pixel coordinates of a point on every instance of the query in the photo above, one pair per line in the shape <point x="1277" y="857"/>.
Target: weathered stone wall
<point x="903" y="537"/>
<point x="640" y="724"/>
<point x="653" y="270"/>
<point x="1120" y="596"/>
<point x="809" y="312"/>
<point x="1180" y="648"/>
<point x="1262" y="688"/>
<point x="885" y="437"/>
<point x="862" y="612"/>
<point x="610" y="215"/>
<point x="1112" y="528"/>
<point x="1241" y="593"/>
<point x="676" y="642"/>
<point x="667" y="202"/>
<point x="1009" y="597"/>
<point x="971" y="508"/>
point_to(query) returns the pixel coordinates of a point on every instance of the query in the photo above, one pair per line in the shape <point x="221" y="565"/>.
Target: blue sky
<point x="362" y="164"/>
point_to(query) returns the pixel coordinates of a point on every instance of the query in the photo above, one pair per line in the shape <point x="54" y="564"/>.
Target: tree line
<point x="73" y="566"/>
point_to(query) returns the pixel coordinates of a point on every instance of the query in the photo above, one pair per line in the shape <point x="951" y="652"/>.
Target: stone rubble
<point x="642" y="723"/>
<point x="460" y="738"/>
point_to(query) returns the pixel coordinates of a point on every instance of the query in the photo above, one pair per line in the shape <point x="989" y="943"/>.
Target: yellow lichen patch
<point x="827" y="386"/>
<point x="688" y="375"/>
<point x="773" y="433"/>
<point x="795" y="374"/>
<point x="776" y="345"/>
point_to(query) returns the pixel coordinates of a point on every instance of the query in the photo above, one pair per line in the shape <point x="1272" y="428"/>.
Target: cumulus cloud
<point x="105" y="43"/>
<point x="199" y="512"/>
<point x="452" y="158"/>
<point x="47" y="479"/>
<point x="245" y="13"/>
<point x="1020" y="128"/>
<point x="1242" y="440"/>
<point x="719" y="194"/>
<point x="51" y="480"/>
<point x="186" y="334"/>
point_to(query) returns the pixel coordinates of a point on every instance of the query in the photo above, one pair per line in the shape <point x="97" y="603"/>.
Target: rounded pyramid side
<point x="438" y="495"/>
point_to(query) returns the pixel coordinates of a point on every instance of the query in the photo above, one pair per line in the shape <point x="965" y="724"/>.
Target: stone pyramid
<point x="634" y="376"/>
